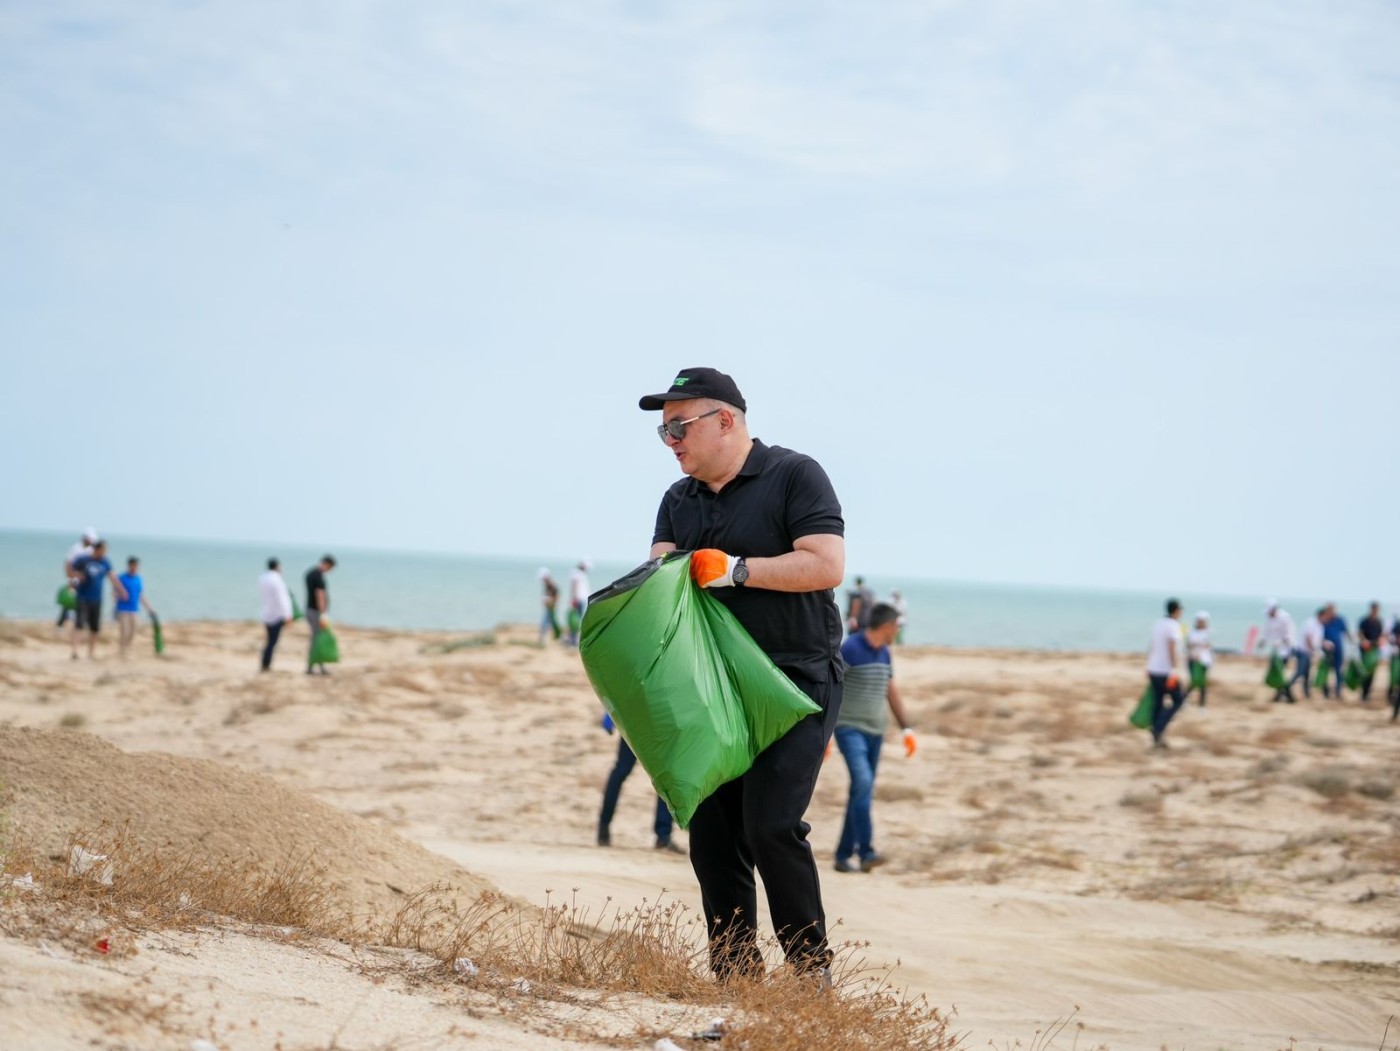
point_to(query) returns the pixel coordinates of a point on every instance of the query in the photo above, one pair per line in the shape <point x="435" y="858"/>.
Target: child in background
<point x="1199" y="657"/>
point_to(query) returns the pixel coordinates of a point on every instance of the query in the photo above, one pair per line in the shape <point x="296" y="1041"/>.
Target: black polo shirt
<point x="777" y="497"/>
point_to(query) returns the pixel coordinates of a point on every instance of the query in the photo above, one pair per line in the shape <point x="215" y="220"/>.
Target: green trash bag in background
<point x="1141" y="716"/>
<point x="325" y="650"/>
<point x="1274" y="679"/>
<point x="1199" y="675"/>
<point x="66" y="597"/>
<point x="1324" y="671"/>
<point x="1352" y="674"/>
<point x="575" y="622"/>
<point x="1395" y="671"/>
<point x="156" y="634"/>
<point x="296" y="609"/>
<point x="1370" y="659"/>
<point x="692" y="693"/>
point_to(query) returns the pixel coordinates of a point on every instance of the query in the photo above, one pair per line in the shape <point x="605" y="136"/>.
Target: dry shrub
<point x="1269" y="766"/>
<point x="1279" y="736"/>
<point x="1330" y="782"/>
<point x="1150" y="802"/>
<point x="151" y="889"/>
<point x="891" y="793"/>
<point x="470" y="642"/>
<point x="1377" y="788"/>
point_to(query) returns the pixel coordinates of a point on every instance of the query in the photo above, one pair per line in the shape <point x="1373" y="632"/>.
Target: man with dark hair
<point x="767" y="534"/>
<point x="869" y="687"/>
<point x="1165" y="670"/>
<point x="318" y="602"/>
<point x="277" y="609"/>
<point x="1369" y="633"/>
<point x="91" y="570"/>
<point x="130" y="605"/>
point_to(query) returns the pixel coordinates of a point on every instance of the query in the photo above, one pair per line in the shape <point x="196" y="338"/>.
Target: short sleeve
<point x="812" y="507"/>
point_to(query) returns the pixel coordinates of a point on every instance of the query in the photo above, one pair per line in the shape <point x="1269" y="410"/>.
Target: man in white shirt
<point x="82" y="546"/>
<point x="1309" y="649"/>
<point x="1165" y="670"/>
<point x="578" y="598"/>
<point x="276" y="607"/>
<point x="1278" y="638"/>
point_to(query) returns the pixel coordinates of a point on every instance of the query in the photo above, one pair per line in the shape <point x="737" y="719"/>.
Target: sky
<point x="1083" y="294"/>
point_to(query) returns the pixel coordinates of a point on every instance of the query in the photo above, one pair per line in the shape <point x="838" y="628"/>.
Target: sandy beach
<point x="1236" y="891"/>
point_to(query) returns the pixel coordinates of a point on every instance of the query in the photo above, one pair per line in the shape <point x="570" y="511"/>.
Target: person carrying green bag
<point x="1369" y="633"/>
<point x="318" y="603"/>
<point x="1165" y="673"/>
<point x="1278" y="638"/>
<point x="768" y="541"/>
<point x="1199" y="658"/>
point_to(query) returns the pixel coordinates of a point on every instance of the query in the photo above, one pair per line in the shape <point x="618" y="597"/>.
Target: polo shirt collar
<point x="753" y="465"/>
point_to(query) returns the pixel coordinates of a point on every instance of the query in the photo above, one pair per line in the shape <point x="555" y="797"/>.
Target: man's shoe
<point x="874" y="861"/>
<point x="844" y="865"/>
<point x="670" y="846"/>
<point x="604" y="839"/>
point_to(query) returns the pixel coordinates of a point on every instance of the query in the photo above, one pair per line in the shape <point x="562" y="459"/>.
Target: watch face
<point x="741" y="573"/>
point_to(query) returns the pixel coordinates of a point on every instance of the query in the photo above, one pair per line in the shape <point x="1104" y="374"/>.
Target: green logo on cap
<point x="680" y="381"/>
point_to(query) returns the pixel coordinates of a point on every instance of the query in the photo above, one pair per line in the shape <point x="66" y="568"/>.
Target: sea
<point x="209" y="580"/>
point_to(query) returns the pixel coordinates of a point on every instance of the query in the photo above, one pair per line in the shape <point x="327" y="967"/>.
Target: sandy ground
<point x="1237" y="891"/>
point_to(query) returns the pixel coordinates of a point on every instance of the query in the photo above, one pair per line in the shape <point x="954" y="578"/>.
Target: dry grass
<point x="494" y="946"/>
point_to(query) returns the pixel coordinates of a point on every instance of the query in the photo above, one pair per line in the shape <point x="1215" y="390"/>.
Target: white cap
<point x="543" y="573"/>
<point x="90" y="534"/>
<point x="1270" y="604"/>
<point x="585" y="564"/>
<point x="1202" y="615"/>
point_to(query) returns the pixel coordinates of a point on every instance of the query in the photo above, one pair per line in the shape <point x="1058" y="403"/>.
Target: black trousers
<point x="274" y="631"/>
<point x="756" y="821"/>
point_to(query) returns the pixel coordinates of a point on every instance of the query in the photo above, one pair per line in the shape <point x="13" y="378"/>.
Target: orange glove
<point x="829" y="745"/>
<point x="712" y="568"/>
<point x="911" y="743"/>
<point x="1172" y="681"/>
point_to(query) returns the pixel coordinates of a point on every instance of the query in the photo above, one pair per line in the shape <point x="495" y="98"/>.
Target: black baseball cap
<point x="690" y="384"/>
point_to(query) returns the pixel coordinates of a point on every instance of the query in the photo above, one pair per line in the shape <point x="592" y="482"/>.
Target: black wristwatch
<point x="740" y="574"/>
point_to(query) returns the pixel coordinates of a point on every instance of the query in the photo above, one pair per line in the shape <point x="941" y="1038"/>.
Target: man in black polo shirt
<point x="767" y="532"/>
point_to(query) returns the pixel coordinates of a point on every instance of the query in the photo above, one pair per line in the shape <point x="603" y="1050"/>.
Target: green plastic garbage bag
<point x="325" y="650"/>
<point x="575" y="621"/>
<point x="1395" y="671"/>
<point x="1324" y="671"/>
<point x="66" y="597"/>
<point x="692" y="693"/>
<point x="1199" y="675"/>
<point x="157" y="635"/>
<point x="1370" y="659"/>
<point x="296" y="608"/>
<point x="1352" y="674"/>
<point x="1141" y="716"/>
<point x="1275" y="678"/>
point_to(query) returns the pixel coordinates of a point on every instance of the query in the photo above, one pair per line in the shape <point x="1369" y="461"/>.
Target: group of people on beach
<point x="1178" y="667"/>
<point x="86" y="569"/>
<point x="550" y="628"/>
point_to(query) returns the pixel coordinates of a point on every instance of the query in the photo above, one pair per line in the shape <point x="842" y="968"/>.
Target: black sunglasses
<point x="676" y="428"/>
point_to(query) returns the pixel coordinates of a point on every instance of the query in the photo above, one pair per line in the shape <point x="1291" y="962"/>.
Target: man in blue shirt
<point x="860" y="729"/>
<point x="90" y="571"/>
<point x="1334" y="636"/>
<point x="129" y="607"/>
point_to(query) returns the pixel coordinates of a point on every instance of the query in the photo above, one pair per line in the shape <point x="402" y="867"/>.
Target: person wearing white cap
<point x="1278" y="637"/>
<point x="82" y="546"/>
<point x="549" y="599"/>
<point x="1199" y="657"/>
<point x="578" y="598"/>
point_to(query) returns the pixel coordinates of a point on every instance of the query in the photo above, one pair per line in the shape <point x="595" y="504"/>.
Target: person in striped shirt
<point x="860" y="730"/>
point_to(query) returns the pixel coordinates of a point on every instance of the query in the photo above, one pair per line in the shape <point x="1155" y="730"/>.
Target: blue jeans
<point x="1161" y="712"/>
<point x="626" y="760"/>
<point x="1303" y="671"/>
<point x="861" y="751"/>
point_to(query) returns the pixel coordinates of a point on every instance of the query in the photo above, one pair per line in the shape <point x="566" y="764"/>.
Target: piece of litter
<point x="103" y="946"/>
<point x="83" y="863"/>
<point x="715" y="1032"/>
<point x="465" y="967"/>
<point x="666" y="1044"/>
<point x="521" y="985"/>
<point x="203" y="1045"/>
<point x="184" y="900"/>
<point x="25" y="882"/>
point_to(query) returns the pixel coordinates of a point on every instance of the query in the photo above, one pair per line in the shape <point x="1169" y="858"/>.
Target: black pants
<point x="756" y="821"/>
<point x="274" y="632"/>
